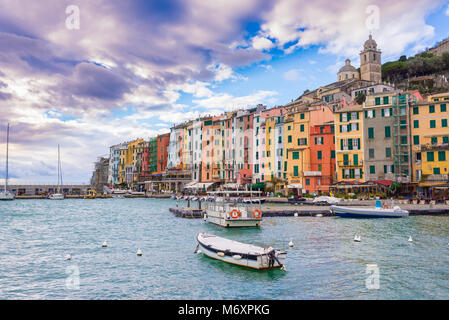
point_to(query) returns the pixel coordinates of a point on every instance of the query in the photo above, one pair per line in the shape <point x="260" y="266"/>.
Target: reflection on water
<point x="324" y="261"/>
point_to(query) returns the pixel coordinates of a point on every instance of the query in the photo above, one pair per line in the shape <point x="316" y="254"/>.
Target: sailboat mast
<point x="7" y="147"/>
<point x="59" y="186"/>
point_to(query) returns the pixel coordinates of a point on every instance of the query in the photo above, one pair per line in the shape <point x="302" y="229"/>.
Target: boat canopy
<point x="233" y="192"/>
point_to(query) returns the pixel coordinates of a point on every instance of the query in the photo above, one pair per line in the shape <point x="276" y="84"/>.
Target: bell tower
<point x="370" y="62"/>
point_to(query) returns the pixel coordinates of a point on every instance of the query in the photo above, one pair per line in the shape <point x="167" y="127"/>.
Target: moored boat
<point x="238" y="253"/>
<point x="377" y="212"/>
<point x="58" y="195"/>
<point x="228" y="212"/>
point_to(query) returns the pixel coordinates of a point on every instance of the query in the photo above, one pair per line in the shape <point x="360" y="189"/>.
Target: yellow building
<point x="134" y="147"/>
<point x="296" y="147"/>
<point x="349" y="143"/>
<point x="430" y="137"/>
<point x="270" y="148"/>
<point x="122" y="159"/>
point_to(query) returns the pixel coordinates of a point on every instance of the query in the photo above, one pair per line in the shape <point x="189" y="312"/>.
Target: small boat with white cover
<point x="238" y="253"/>
<point x="377" y="212"/>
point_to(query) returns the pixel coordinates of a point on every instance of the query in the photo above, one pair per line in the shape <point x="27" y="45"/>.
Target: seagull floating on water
<point x="68" y="256"/>
<point x="290" y="244"/>
<point x="104" y="245"/>
<point x="357" y="238"/>
<point x="410" y="239"/>
<point x="139" y="252"/>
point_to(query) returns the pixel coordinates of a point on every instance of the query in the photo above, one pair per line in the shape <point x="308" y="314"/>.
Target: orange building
<point x="322" y="158"/>
<point x="163" y="141"/>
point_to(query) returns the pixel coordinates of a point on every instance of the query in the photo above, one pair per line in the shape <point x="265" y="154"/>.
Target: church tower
<point x="370" y="63"/>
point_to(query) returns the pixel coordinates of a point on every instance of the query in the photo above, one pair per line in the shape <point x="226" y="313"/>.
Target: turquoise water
<point x="325" y="262"/>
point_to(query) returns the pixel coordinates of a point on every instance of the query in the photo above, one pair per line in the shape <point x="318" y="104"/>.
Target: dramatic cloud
<point x="135" y="67"/>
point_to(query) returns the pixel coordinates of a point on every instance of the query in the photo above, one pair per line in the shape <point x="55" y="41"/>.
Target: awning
<point x="204" y="185"/>
<point x="231" y="185"/>
<point x="295" y="186"/>
<point x="190" y="185"/>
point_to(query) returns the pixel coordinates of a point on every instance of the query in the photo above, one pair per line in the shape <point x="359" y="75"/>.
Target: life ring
<point x="235" y="213"/>
<point x="257" y="214"/>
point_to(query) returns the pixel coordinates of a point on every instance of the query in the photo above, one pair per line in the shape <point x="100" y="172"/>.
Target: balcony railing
<point x="350" y="163"/>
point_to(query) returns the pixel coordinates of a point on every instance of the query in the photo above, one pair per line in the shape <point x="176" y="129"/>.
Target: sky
<point x="91" y="74"/>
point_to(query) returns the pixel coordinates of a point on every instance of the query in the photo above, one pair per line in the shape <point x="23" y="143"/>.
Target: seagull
<point x="290" y="243"/>
<point x="410" y="239"/>
<point x="68" y="257"/>
<point x="139" y="252"/>
<point x="357" y="238"/>
<point x="104" y="245"/>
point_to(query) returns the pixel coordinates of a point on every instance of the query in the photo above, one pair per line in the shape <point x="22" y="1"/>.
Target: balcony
<point x="433" y="147"/>
<point x="350" y="163"/>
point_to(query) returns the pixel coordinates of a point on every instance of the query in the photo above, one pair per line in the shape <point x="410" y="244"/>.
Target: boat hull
<point x="56" y="197"/>
<point x="6" y="196"/>
<point x="220" y="219"/>
<point x="253" y="261"/>
<point x="351" y="212"/>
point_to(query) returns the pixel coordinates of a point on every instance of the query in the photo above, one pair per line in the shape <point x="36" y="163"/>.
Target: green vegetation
<point x="420" y="65"/>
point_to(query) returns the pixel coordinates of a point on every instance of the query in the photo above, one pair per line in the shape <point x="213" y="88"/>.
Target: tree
<point x="395" y="187"/>
<point x="403" y="59"/>
<point x="360" y="98"/>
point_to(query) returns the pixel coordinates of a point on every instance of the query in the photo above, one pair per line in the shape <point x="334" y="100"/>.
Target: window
<point x="385" y="100"/>
<point x="371" y="153"/>
<point x="307" y="182"/>
<point x="295" y="155"/>
<point x="415" y="139"/>
<point x="415" y="110"/>
<point x="443" y="107"/>
<point x="445" y="139"/>
<point x="388" y="152"/>
<point x="433" y="140"/>
<point x="441" y="155"/>
<point x="333" y="154"/>
<point x="431" y="109"/>
<point x="436" y="170"/>
<point x="430" y="156"/>
<point x="432" y="124"/>
<point x="387" y="132"/>
<point x="444" y="123"/>
<point x="370" y="133"/>
<point x="295" y="171"/>
<point x="377" y="101"/>
<point x="404" y="140"/>
<point x="319" y="155"/>
<point x="372" y="169"/>
<point x="415" y="123"/>
<point x="289" y="139"/>
<point x="301" y="128"/>
<point x="301" y="116"/>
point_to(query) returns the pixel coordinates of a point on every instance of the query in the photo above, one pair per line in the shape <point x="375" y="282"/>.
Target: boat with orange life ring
<point x="228" y="210"/>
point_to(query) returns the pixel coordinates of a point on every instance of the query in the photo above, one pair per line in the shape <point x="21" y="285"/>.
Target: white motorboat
<point x="230" y="212"/>
<point x="377" y="212"/>
<point x="238" y="253"/>
<point x="5" y="194"/>
<point x="326" y="200"/>
<point x="58" y="195"/>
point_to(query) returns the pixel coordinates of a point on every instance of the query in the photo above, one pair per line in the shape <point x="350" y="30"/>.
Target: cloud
<point x="261" y="43"/>
<point x="340" y="27"/>
<point x="293" y="74"/>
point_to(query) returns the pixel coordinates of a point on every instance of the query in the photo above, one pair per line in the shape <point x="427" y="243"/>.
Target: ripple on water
<point x="325" y="262"/>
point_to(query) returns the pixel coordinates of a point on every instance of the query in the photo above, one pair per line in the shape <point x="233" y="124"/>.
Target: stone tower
<point x="370" y="63"/>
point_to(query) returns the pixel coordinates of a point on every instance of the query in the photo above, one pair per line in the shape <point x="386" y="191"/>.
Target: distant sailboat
<point x="58" y="195"/>
<point x="5" y="194"/>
